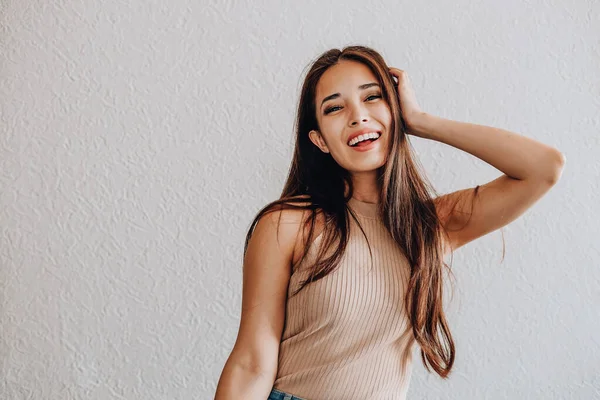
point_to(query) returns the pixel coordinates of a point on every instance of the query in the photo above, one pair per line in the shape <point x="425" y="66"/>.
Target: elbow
<point x="557" y="165"/>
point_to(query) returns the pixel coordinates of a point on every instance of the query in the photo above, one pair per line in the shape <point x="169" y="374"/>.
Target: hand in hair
<point x="409" y="107"/>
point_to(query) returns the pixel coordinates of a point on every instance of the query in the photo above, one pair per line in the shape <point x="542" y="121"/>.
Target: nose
<point x="354" y="122"/>
<point x="358" y="115"/>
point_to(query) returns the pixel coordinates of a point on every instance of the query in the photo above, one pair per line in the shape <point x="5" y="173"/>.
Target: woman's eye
<point x="331" y="109"/>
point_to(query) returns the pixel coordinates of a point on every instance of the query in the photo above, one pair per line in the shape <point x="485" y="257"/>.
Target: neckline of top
<point x="364" y="209"/>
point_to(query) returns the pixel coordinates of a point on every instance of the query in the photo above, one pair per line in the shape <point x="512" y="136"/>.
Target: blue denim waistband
<point x="279" y="395"/>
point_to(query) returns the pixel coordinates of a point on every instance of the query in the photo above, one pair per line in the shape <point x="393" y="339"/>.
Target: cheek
<point x="333" y="129"/>
<point x="386" y="115"/>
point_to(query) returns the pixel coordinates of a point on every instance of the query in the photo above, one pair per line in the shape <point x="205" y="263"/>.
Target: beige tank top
<point x="347" y="335"/>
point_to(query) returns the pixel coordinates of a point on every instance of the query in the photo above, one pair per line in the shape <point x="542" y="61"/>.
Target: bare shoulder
<point x="301" y="219"/>
<point x="266" y="274"/>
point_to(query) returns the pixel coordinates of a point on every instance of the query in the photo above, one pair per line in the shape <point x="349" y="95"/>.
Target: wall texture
<point x="140" y="138"/>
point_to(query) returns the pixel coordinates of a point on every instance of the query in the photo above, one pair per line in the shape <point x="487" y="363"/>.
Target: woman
<point x="343" y="274"/>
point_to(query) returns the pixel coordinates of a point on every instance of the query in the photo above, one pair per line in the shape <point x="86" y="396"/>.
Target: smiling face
<point x="348" y="101"/>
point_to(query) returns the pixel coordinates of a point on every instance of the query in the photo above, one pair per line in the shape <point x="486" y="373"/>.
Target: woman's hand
<point x="409" y="107"/>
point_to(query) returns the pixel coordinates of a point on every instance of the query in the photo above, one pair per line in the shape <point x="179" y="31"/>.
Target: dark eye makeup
<point x="331" y="109"/>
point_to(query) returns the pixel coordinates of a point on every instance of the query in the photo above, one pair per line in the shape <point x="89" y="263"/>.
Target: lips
<point x="366" y="147"/>
<point x="362" y="132"/>
<point x="356" y="134"/>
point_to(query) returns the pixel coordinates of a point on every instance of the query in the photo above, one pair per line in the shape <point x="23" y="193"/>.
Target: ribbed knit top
<point x="347" y="335"/>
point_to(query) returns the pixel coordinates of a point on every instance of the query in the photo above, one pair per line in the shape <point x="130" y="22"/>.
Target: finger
<point x="394" y="76"/>
<point x="398" y="74"/>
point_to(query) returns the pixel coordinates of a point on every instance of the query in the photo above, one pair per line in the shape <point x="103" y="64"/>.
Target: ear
<point x="317" y="139"/>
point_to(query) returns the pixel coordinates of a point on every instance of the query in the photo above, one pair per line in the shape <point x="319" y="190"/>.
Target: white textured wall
<point x="139" y="139"/>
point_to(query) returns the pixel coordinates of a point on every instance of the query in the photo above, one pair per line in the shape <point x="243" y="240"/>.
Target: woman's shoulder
<point x="302" y="217"/>
<point x="303" y="212"/>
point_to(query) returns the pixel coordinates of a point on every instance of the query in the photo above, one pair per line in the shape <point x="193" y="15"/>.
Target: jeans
<point x="279" y="395"/>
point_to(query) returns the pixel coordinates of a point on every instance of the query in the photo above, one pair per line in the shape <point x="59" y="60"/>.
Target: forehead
<point x="345" y="76"/>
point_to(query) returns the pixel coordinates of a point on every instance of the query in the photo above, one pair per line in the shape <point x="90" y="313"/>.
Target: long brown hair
<point x="316" y="182"/>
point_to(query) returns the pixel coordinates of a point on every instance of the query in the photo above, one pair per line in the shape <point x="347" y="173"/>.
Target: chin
<point x="366" y="167"/>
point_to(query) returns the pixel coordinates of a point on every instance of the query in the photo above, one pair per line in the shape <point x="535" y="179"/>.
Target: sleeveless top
<point x="347" y="335"/>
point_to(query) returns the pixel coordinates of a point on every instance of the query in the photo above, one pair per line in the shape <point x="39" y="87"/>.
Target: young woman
<point x="342" y="274"/>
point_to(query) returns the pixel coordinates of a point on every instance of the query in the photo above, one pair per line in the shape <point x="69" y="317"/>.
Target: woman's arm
<point x="239" y="381"/>
<point x="530" y="170"/>
<point x="517" y="156"/>
<point x="251" y="368"/>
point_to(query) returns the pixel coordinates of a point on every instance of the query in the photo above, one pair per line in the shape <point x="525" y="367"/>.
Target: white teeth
<point x="360" y="138"/>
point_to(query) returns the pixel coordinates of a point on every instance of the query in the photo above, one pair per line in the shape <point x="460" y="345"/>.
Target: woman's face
<point x="349" y="100"/>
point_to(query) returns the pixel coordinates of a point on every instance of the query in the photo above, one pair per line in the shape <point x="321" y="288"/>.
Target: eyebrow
<point x="336" y="95"/>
